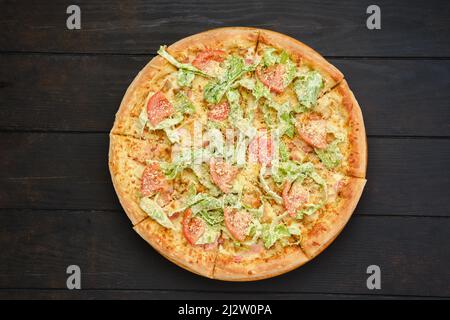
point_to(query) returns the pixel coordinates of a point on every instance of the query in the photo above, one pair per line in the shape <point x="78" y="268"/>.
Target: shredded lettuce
<point x="142" y="121"/>
<point x="284" y="152"/>
<point x="290" y="171"/>
<point x="172" y="169"/>
<point x="183" y="104"/>
<point x="331" y="156"/>
<point x="155" y="212"/>
<point x="185" y="66"/>
<point x="212" y="217"/>
<point x="210" y="235"/>
<point x="168" y="123"/>
<point x="272" y="233"/>
<point x="235" y="68"/>
<point x="270" y="57"/>
<point x="185" y="78"/>
<point x="205" y="179"/>
<point x="266" y="187"/>
<point x="307" y="88"/>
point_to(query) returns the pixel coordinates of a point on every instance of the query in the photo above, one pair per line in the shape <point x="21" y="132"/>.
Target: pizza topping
<point x="235" y="69"/>
<point x="203" y="58"/>
<point x="219" y="112"/>
<point x="222" y="174"/>
<point x="294" y="197"/>
<point x="237" y="222"/>
<point x="262" y="149"/>
<point x="272" y="77"/>
<point x="314" y="132"/>
<point x="193" y="227"/>
<point x="308" y="87"/>
<point x="155" y="212"/>
<point x="185" y="66"/>
<point x="331" y="156"/>
<point x="152" y="179"/>
<point x="158" y="108"/>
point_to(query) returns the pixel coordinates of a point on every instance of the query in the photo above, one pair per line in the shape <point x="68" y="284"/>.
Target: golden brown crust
<point x="357" y="160"/>
<point x="257" y="268"/>
<point x="298" y="51"/>
<point x="172" y="245"/>
<point x="126" y="184"/>
<point x="235" y="40"/>
<point x="333" y="219"/>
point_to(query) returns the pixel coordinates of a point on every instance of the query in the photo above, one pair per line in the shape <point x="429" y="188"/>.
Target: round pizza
<point x="238" y="153"/>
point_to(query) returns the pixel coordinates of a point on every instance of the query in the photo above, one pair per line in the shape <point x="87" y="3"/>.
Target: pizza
<point x="238" y="153"/>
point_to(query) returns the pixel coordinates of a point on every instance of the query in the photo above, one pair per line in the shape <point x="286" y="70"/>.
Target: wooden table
<point x="60" y="89"/>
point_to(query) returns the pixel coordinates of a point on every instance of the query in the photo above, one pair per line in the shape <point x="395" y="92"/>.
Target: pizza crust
<point x="172" y="245"/>
<point x="228" y="269"/>
<point x="357" y="159"/>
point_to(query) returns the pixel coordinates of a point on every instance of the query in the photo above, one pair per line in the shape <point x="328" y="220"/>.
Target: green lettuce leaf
<point x="185" y="66"/>
<point x="307" y="88"/>
<point x="266" y="187"/>
<point x="210" y="235"/>
<point x="155" y="212"/>
<point x="272" y="233"/>
<point x="185" y="78"/>
<point x="331" y="156"/>
<point x="183" y="104"/>
<point x="235" y="68"/>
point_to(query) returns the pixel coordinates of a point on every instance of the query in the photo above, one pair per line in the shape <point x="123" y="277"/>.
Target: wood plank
<point x="39" y="245"/>
<point x="43" y="294"/>
<point x="82" y="93"/>
<point x="69" y="171"/>
<point x="333" y="28"/>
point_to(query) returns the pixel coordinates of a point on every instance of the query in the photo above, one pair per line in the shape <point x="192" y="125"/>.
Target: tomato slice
<point x="294" y="197"/>
<point x="158" y="108"/>
<point x="193" y="227"/>
<point x="204" y="57"/>
<point x="237" y="222"/>
<point x="261" y="148"/>
<point x="219" y="112"/>
<point x="152" y="179"/>
<point x="314" y="133"/>
<point x="272" y="77"/>
<point x="222" y="174"/>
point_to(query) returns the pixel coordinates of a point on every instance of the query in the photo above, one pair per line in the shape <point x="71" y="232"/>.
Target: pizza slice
<point x="195" y="71"/>
<point x="322" y="227"/>
<point x="131" y="175"/>
<point x="332" y="134"/>
<point x="293" y="71"/>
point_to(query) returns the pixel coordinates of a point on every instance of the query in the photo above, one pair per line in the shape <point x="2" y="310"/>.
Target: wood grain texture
<point x="82" y="93"/>
<point x="129" y="294"/>
<point x="409" y="28"/>
<point x="69" y="171"/>
<point x="39" y="245"/>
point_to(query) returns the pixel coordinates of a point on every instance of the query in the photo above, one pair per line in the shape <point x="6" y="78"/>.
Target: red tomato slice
<point x="261" y="148"/>
<point x="272" y="77"/>
<point x="158" y="108"/>
<point x="314" y="133"/>
<point x="193" y="228"/>
<point x="152" y="179"/>
<point x="294" y="197"/>
<point x="219" y="112"/>
<point x="237" y="222"/>
<point x="202" y="59"/>
<point x="222" y="174"/>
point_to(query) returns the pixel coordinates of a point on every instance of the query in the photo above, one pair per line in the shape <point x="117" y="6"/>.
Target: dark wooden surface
<point x="59" y="90"/>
